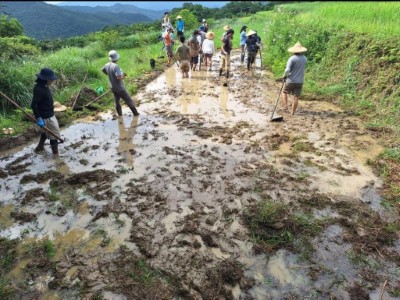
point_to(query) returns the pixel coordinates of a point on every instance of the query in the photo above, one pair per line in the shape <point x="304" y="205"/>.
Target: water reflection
<point x="61" y="166"/>
<point x="170" y="77"/>
<point x="126" y="146"/>
<point x="223" y="101"/>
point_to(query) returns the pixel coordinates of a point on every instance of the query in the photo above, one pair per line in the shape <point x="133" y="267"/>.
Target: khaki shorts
<point x="184" y="66"/>
<point x="52" y="124"/>
<point x="293" y="88"/>
<point x="225" y="62"/>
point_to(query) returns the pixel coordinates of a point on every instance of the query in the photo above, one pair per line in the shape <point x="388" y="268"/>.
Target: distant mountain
<point x="45" y="21"/>
<point x="117" y="8"/>
<point x="153" y="5"/>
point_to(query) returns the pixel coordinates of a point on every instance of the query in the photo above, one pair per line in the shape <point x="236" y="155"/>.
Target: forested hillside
<point x="117" y="8"/>
<point x="45" y="21"/>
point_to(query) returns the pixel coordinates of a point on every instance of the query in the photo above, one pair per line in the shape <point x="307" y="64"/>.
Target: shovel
<point x="277" y="118"/>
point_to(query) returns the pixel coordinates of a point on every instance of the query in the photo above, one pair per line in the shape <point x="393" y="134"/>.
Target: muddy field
<point x="201" y="197"/>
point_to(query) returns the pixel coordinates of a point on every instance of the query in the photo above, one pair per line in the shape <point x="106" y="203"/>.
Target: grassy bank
<point x="353" y="60"/>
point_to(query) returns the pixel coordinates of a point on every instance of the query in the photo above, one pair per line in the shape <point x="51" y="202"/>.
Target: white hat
<point x="113" y="55"/>
<point x="204" y="20"/>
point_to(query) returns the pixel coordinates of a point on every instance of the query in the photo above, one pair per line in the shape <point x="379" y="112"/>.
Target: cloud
<point x="53" y="2"/>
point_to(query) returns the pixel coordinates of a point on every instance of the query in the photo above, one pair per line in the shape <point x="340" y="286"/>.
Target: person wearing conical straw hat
<point x="294" y="76"/>
<point x="208" y="49"/>
<point x="180" y="26"/>
<point x="251" y="45"/>
<point x="226" y="28"/>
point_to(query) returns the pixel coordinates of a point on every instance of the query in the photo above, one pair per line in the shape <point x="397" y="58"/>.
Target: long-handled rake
<point x="277" y="118"/>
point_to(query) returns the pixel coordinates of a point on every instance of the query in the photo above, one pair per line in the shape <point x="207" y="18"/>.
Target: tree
<point x="10" y="27"/>
<point x="190" y="20"/>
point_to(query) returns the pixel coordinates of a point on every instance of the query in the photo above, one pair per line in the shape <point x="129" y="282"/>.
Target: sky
<point x="154" y="5"/>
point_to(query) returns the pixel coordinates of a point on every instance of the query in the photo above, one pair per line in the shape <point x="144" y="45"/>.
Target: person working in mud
<point x="115" y="77"/>
<point x="205" y="25"/>
<point x="168" y="42"/>
<point x="194" y="46"/>
<point x="242" y="42"/>
<point x="180" y="26"/>
<point x="226" y="53"/>
<point x="165" y="22"/>
<point x="208" y="49"/>
<point x="43" y="108"/>
<point x="183" y="56"/>
<point x="252" y="48"/>
<point x="294" y="76"/>
<point x="226" y="28"/>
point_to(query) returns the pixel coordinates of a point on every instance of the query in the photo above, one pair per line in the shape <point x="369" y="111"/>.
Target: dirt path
<point x="161" y="206"/>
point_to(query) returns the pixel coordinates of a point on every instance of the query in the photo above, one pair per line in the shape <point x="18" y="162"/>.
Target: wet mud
<point x="201" y="197"/>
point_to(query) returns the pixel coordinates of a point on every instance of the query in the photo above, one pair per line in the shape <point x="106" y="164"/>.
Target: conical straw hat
<point x="251" y="32"/>
<point x="297" y="48"/>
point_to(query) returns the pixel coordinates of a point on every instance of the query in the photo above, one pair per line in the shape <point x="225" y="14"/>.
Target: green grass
<point x="376" y="18"/>
<point x="144" y="274"/>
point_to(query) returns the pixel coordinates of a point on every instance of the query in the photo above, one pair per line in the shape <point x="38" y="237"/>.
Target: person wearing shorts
<point x="194" y="46"/>
<point x="294" y="76"/>
<point x="208" y="49"/>
<point x="168" y="41"/>
<point x="226" y="53"/>
<point x="183" y="56"/>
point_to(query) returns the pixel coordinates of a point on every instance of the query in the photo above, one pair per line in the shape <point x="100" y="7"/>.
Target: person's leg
<point x="128" y="100"/>
<point x="285" y="99"/>
<point x="52" y="124"/>
<point x="228" y="64"/>
<point x="54" y="146"/>
<point x="222" y="65"/>
<point x="118" y="107"/>
<point x="40" y="146"/>
<point x="295" y="104"/>
<point x="296" y="96"/>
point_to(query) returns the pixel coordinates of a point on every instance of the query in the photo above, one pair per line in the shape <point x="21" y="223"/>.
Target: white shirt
<point x="208" y="46"/>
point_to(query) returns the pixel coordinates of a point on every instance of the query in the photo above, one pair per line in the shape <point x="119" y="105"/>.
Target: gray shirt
<point x="113" y="70"/>
<point x="295" y="68"/>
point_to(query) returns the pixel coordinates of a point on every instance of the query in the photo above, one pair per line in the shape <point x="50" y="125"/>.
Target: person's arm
<point x="35" y="101"/>
<point x="118" y="73"/>
<point x="288" y="68"/>
<point x="104" y="70"/>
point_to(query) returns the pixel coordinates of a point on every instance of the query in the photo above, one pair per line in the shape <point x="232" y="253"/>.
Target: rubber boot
<point x="227" y="74"/>
<point x="54" y="147"/>
<point x="134" y="111"/>
<point x="220" y="72"/>
<point x="242" y="57"/>
<point x="40" y="146"/>
<point x="119" y="110"/>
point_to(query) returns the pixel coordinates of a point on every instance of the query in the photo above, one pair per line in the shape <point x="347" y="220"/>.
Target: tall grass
<point x="374" y="17"/>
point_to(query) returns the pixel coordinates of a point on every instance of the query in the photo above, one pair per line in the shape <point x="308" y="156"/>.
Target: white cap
<point x="204" y="20"/>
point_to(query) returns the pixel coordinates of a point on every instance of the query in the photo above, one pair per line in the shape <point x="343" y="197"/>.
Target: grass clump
<point x="274" y="225"/>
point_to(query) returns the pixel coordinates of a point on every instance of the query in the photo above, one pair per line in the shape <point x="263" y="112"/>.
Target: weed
<point x="49" y="248"/>
<point x="362" y="259"/>
<point x="144" y="274"/>
<point x="8" y="253"/>
<point x="54" y="195"/>
<point x="6" y="289"/>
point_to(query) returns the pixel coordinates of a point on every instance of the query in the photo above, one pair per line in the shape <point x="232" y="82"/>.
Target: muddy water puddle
<point x="164" y="193"/>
